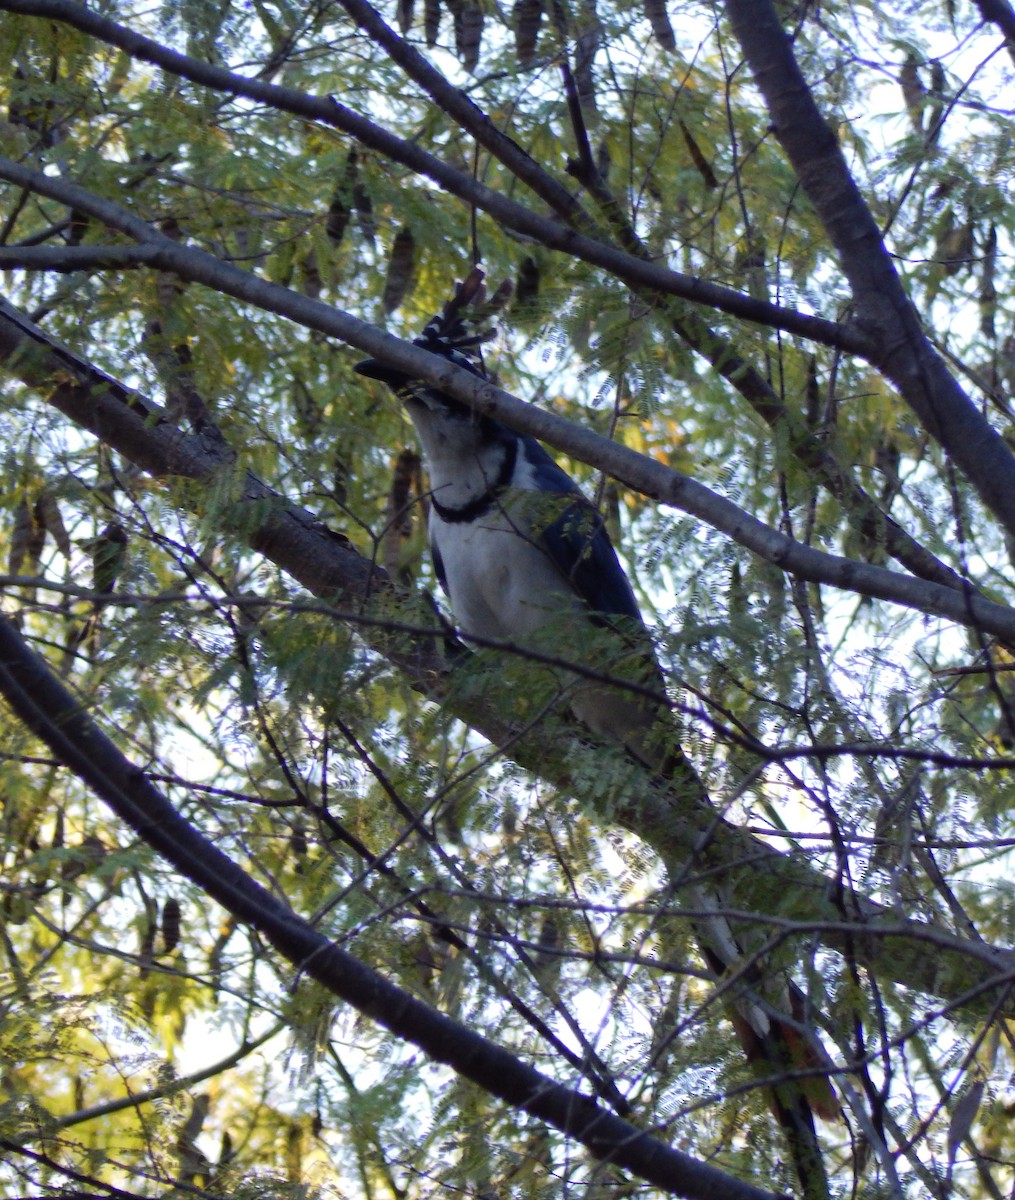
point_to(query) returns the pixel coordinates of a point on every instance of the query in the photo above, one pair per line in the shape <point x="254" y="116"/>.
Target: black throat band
<point x="482" y="504"/>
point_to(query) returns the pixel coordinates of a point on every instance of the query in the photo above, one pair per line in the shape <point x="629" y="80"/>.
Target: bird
<point x="525" y="557"/>
<point x="521" y="552"/>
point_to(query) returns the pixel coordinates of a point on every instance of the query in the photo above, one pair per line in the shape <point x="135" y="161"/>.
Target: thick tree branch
<point x="681" y="827"/>
<point x="904" y="353"/>
<point x="508" y="213"/>
<point x="1001" y="14"/>
<point x="56" y="717"/>
<point x="638" y="471"/>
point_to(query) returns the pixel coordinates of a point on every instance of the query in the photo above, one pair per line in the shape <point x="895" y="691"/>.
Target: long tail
<point x="777" y="1048"/>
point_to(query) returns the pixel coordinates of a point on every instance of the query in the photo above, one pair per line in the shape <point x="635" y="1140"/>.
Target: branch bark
<point x="56" y="717"/>
<point x="637" y="471"/>
<point x="682" y="828"/>
<point x="508" y="213"/>
<point x="903" y="352"/>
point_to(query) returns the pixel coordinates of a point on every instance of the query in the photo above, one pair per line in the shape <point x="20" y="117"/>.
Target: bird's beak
<point x="373" y="370"/>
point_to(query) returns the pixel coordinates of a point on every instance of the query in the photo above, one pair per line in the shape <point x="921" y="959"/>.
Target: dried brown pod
<point x="364" y="207"/>
<point x="527" y="17"/>
<point x="468" y="32"/>
<point x="405" y="482"/>
<point x="49" y="518"/>
<point x="170" y="925"/>
<point x="401" y="270"/>
<point x="28" y="538"/>
<point x="340" y="209"/>
<point x="698" y="158"/>
<point x="913" y="92"/>
<point x="431" y="21"/>
<point x="987" y="296"/>
<point x="528" y="282"/>
<point x="404" y="15"/>
<point x="146" y="951"/>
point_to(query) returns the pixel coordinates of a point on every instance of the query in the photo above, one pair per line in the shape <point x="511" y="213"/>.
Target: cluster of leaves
<point x="148" y="1037"/>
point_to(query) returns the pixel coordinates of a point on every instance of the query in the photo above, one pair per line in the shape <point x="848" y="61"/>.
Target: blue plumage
<point x="519" y="549"/>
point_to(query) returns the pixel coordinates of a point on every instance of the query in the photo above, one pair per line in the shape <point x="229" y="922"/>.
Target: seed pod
<point x="528" y="282"/>
<point x="109" y="552"/>
<point x="913" y="91"/>
<point x="655" y="10"/>
<point x="955" y="245"/>
<point x="585" y="82"/>
<point x="340" y="209"/>
<point x="363" y="205"/>
<point x="698" y="158"/>
<point x="27" y="539"/>
<point x="170" y="925"/>
<point x="146" y="951"/>
<point x="398" y="527"/>
<point x="987" y="297"/>
<point x="49" y="518"/>
<point x="405" y="8"/>
<point x="401" y="270"/>
<point x="468" y="32"/>
<point x="527" y="16"/>
<point x="431" y="20"/>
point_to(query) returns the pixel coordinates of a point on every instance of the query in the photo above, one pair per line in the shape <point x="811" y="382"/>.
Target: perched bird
<point x="525" y="558"/>
<point x="522" y="553"/>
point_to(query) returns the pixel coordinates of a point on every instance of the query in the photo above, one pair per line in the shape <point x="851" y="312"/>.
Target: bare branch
<point x="508" y="213"/>
<point x="884" y="309"/>
<point x="56" y="717"/>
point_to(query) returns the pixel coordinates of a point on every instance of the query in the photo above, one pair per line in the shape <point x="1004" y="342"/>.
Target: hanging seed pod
<point x="364" y="207"/>
<point x="404" y="14"/>
<point x="49" y="518"/>
<point x="499" y="300"/>
<point x="77" y="227"/>
<point x="527" y="16"/>
<point x="585" y="82"/>
<point x="655" y="10"/>
<point x="146" y="951"/>
<point x="401" y="270"/>
<point x="987" y="297"/>
<point x="398" y="525"/>
<point x="528" y="282"/>
<point x="109" y="552"/>
<point x="342" y="202"/>
<point x="698" y="158"/>
<point x="170" y="925"/>
<point x="298" y="846"/>
<point x="551" y="941"/>
<point x="955" y="245"/>
<point x="431" y="21"/>
<point x="27" y="540"/>
<point x="913" y="91"/>
<point x="468" y="32"/>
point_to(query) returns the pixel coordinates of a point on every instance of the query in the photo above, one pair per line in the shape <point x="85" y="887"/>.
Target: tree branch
<point x="56" y="717"/>
<point x="508" y="213"/>
<point x="681" y="827"/>
<point x="903" y="351"/>
<point x="638" y="471"/>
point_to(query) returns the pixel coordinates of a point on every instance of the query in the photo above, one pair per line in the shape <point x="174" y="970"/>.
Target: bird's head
<point x="455" y="334"/>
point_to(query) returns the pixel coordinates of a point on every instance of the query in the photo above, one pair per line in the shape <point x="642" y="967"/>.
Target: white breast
<point x="500" y="584"/>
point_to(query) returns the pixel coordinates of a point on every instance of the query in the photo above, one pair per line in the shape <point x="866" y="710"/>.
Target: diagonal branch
<point x="50" y="711"/>
<point x="637" y="471"/>
<point x="681" y="828"/>
<point x="508" y="213"/>
<point x="904" y="353"/>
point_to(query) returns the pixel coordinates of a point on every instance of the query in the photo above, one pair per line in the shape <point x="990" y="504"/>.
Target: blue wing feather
<point x="577" y="541"/>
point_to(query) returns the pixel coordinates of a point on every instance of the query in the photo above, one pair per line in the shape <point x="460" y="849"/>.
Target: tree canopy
<point x="301" y="896"/>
